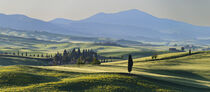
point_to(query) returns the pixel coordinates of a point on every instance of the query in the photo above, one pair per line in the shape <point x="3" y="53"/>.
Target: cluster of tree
<point x="154" y="57"/>
<point x="26" y="54"/>
<point x="76" y="56"/>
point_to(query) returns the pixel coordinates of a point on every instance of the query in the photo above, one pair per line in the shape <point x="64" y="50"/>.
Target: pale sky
<point x="191" y="11"/>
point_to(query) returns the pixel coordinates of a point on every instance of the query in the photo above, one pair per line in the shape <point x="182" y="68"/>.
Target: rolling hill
<point x="174" y="72"/>
<point x="44" y="42"/>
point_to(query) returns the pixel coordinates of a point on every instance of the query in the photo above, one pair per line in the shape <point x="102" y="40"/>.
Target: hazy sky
<point x="191" y="11"/>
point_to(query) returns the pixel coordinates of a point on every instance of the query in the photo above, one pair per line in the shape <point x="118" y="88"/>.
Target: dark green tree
<point x="65" y="57"/>
<point x="96" y="61"/>
<point x="80" y="61"/>
<point x="130" y="63"/>
<point x="42" y="55"/>
<point x="154" y="57"/>
<point x="57" y="59"/>
<point x="182" y="48"/>
<point x="190" y="51"/>
<point x="18" y="53"/>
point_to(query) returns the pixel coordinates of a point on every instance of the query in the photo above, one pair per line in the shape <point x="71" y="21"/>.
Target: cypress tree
<point x="130" y="63"/>
<point x="18" y="53"/>
<point x="190" y="52"/>
<point x="65" y="57"/>
<point x="42" y="55"/>
<point x="80" y="61"/>
<point x="95" y="61"/>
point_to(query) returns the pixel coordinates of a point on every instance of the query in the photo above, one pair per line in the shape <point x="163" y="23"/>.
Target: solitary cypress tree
<point x="130" y="63"/>
<point x="190" y="52"/>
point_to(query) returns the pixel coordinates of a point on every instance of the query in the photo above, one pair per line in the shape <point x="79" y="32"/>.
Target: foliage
<point x="75" y="56"/>
<point x="130" y="63"/>
<point x="96" y="61"/>
<point x="80" y="61"/>
<point x="154" y="57"/>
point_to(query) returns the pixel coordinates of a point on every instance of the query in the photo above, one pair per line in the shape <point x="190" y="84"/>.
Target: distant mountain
<point x="22" y="22"/>
<point x="129" y="25"/>
<point x="136" y="25"/>
<point x="61" y="21"/>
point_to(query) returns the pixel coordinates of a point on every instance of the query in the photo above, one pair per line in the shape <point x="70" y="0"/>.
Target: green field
<point x="42" y="42"/>
<point x="174" y="72"/>
<point x="33" y="46"/>
<point x="171" y="72"/>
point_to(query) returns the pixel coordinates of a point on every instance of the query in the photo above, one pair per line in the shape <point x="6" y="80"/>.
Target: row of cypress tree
<point x="26" y="54"/>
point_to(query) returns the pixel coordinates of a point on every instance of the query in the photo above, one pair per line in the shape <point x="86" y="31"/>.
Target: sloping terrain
<point x="26" y="78"/>
<point x="178" y="68"/>
<point x="42" y="42"/>
<point x="6" y="60"/>
<point x="174" y="72"/>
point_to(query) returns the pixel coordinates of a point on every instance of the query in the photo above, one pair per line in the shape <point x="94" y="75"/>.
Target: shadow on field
<point x="23" y="79"/>
<point x="127" y="85"/>
<point x="167" y="84"/>
<point x="181" y="73"/>
<point x="6" y="60"/>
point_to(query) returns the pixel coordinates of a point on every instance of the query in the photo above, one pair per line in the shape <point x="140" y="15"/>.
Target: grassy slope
<point x="25" y="41"/>
<point x="192" y="72"/>
<point x="26" y="78"/>
<point x="6" y="60"/>
<point x="173" y="72"/>
<point x="14" y="44"/>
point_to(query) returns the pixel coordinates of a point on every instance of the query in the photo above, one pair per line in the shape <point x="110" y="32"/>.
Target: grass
<point x="6" y="60"/>
<point x="173" y="72"/>
<point x="27" y="78"/>
<point x="189" y="71"/>
<point x="38" y="47"/>
<point x="43" y="42"/>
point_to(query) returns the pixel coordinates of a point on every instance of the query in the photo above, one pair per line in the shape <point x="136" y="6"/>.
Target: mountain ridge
<point x="130" y="24"/>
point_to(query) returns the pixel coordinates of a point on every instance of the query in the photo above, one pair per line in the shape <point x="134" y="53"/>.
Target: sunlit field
<point x="173" y="72"/>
